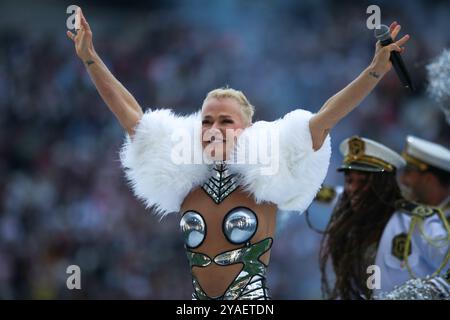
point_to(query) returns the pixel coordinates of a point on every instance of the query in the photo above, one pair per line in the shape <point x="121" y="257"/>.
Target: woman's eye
<point x="228" y="121"/>
<point x="205" y="122"/>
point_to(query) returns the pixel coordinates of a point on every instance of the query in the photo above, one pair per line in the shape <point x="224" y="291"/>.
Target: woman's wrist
<point x="90" y="58"/>
<point x="374" y="72"/>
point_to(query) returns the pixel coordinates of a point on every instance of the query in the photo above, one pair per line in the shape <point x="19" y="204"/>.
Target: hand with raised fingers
<point x="82" y="38"/>
<point x="381" y="61"/>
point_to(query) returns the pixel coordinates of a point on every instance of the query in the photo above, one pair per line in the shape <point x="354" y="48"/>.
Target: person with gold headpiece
<point x="426" y="178"/>
<point x="425" y="181"/>
<point x="358" y="234"/>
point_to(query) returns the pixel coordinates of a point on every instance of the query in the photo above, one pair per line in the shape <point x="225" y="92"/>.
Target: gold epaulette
<point x="415" y="209"/>
<point x="326" y="194"/>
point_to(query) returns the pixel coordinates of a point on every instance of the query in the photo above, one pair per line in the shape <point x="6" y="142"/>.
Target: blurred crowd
<point x="63" y="197"/>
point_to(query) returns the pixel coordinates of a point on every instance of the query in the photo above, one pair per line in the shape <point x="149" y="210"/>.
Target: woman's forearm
<point x="343" y="102"/>
<point x="114" y="94"/>
<point x="339" y="105"/>
<point x="117" y="98"/>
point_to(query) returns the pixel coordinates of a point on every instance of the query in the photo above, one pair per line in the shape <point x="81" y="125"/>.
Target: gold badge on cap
<point x="357" y="154"/>
<point x="356" y="147"/>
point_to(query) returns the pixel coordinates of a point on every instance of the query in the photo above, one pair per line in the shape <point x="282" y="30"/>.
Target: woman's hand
<point x="381" y="63"/>
<point x="83" y="39"/>
<point x="118" y="99"/>
<point x="343" y="102"/>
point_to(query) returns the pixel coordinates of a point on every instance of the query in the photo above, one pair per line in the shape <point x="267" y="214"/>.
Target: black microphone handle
<point x="399" y="66"/>
<point x="400" y="69"/>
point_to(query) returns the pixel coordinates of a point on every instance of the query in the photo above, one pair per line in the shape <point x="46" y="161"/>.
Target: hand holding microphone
<point x="387" y="53"/>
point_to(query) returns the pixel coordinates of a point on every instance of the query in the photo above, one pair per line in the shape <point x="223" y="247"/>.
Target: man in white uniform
<point x="415" y="241"/>
<point x="427" y="175"/>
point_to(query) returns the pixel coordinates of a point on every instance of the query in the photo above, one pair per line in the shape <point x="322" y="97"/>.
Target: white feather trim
<point x="300" y="170"/>
<point x="290" y="179"/>
<point x="148" y="160"/>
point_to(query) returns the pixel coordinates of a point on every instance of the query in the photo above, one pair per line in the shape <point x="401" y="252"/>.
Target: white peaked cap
<point x="367" y="155"/>
<point x="428" y="152"/>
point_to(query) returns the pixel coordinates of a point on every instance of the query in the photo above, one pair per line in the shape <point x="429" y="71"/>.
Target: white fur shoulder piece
<point x="150" y="160"/>
<point x="163" y="161"/>
<point x="293" y="173"/>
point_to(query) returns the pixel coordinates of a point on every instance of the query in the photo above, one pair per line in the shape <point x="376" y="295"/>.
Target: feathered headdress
<point x="439" y="81"/>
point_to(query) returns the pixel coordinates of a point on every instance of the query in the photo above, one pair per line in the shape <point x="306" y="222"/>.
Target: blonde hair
<point x="247" y="108"/>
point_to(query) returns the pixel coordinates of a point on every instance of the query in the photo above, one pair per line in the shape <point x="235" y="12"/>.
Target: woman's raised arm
<point x="339" y="105"/>
<point x="114" y="94"/>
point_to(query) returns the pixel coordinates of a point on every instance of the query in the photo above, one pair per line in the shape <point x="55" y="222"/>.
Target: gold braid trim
<point x="415" y="220"/>
<point x="422" y="166"/>
<point x="365" y="159"/>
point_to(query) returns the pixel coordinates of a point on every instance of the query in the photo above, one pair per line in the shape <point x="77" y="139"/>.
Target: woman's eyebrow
<point x="220" y="116"/>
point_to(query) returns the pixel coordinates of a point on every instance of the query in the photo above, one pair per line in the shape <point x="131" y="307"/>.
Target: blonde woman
<point x="227" y="208"/>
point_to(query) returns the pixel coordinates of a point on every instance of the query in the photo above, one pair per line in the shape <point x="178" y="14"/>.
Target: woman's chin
<point x="216" y="156"/>
<point x="215" y="152"/>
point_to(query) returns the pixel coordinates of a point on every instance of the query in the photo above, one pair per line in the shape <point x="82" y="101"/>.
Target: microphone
<point x="384" y="36"/>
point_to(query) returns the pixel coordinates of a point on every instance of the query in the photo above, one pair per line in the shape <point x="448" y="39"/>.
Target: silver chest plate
<point x="193" y="228"/>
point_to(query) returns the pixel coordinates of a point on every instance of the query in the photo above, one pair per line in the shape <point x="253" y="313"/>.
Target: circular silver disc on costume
<point x="194" y="229"/>
<point x="240" y="225"/>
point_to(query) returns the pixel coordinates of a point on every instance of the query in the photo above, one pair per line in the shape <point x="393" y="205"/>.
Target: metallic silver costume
<point x="169" y="182"/>
<point x="430" y="288"/>
<point x="239" y="226"/>
<point x="194" y="229"/>
<point x="250" y="283"/>
<point x="221" y="183"/>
